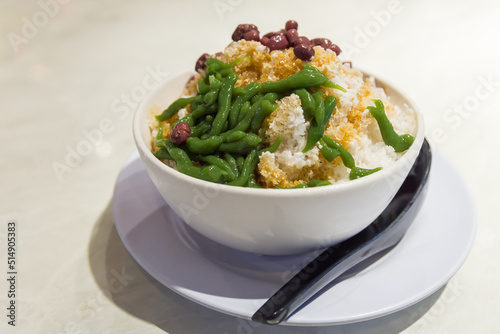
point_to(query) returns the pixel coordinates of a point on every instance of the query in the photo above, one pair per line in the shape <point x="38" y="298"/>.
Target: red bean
<point x="291" y="36"/>
<point x="302" y="40"/>
<point x="277" y="42"/>
<point x="252" y="35"/>
<point x="334" y="47"/>
<point x="241" y="29"/>
<point x="201" y="62"/>
<point x="183" y="126"/>
<point x="274" y="33"/>
<point x="291" y="24"/>
<point x="270" y="34"/>
<point x="180" y="133"/>
<point x="304" y="52"/>
<point x="320" y="41"/>
<point x="178" y="137"/>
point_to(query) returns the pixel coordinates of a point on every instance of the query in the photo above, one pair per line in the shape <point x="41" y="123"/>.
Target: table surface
<point x="74" y="70"/>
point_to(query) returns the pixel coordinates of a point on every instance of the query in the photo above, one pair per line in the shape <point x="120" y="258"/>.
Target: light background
<point x="72" y="71"/>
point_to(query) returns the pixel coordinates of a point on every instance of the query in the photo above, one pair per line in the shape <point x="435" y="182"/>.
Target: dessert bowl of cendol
<point x="276" y="146"/>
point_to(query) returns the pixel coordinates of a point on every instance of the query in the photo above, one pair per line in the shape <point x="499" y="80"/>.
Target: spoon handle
<point x="383" y="233"/>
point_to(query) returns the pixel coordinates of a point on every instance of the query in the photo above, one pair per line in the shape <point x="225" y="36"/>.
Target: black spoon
<point x="385" y="232"/>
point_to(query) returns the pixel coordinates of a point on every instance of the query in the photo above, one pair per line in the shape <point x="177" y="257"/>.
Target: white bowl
<point x="271" y="221"/>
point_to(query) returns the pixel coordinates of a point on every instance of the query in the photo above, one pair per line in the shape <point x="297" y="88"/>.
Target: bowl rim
<point x="141" y="114"/>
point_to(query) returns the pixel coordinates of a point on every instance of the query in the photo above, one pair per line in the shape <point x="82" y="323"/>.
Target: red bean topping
<point x="334" y="47"/>
<point x="178" y="137"/>
<point x="252" y="35"/>
<point x="201" y="62"/>
<point x="180" y="133"/>
<point x="291" y="36"/>
<point x="270" y="34"/>
<point x="291" y="24"/>
<point x="277" y="42"/>
<point x="241" y="29"/>
<point x="304" y="52"/>
<point x="183" y="126"/>
<point x="320" y="41"/>
<point x="274" y="33"/>
<point x="302" y="40"/>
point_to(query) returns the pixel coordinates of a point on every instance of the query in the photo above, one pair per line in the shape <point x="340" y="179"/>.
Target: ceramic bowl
<point x="271" y="221"/>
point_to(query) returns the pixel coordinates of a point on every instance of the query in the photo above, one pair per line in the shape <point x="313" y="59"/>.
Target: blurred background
<point x="73" y="72"/>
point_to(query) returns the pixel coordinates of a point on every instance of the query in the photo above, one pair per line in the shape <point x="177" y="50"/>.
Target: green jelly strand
<point x="225" y="96"/>
<point x="240" y="161"/>
<point x="174" y="108"/>
<point x="162" y="154"/>
<point x="231" y="160"/>
<point x="203" y="88"/>
<point x="249" y="92"/>
<point x="318" y="183"/>
<point x="221" y="163"/>
<point x="189" y="119"/>
<point x="215" y="65"/>
<point x="234" y="136"/>
<point x="200" y="129"/>
<point x="185" y="165"/>
<point x="311" y="184"/>
<point x="267" y="108"/>
<point x="245" y="122"/>
<point x="243" y="111"/>
<point x="213" y="94"/>
<point x="203" y="146"/>
<point x="346" y="157"/>
<point x="358" y="172"/>
<point x="252" y="182"/>
<point x="303" y="79"/>
<point x="247" y="169"/>
<point x="307" y="102"/>
<point x="319" y="113"/>
<point x="316" y="130"/>
<point x="249" y="142"/>
<point x="391" y="138"/>
<point x="329" y="153"/>
<point x="309" y="76"/>
<point x="274" y="147"/>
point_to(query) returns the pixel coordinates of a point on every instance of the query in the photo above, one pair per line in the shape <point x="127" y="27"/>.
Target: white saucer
<point x="238" y="283"/>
